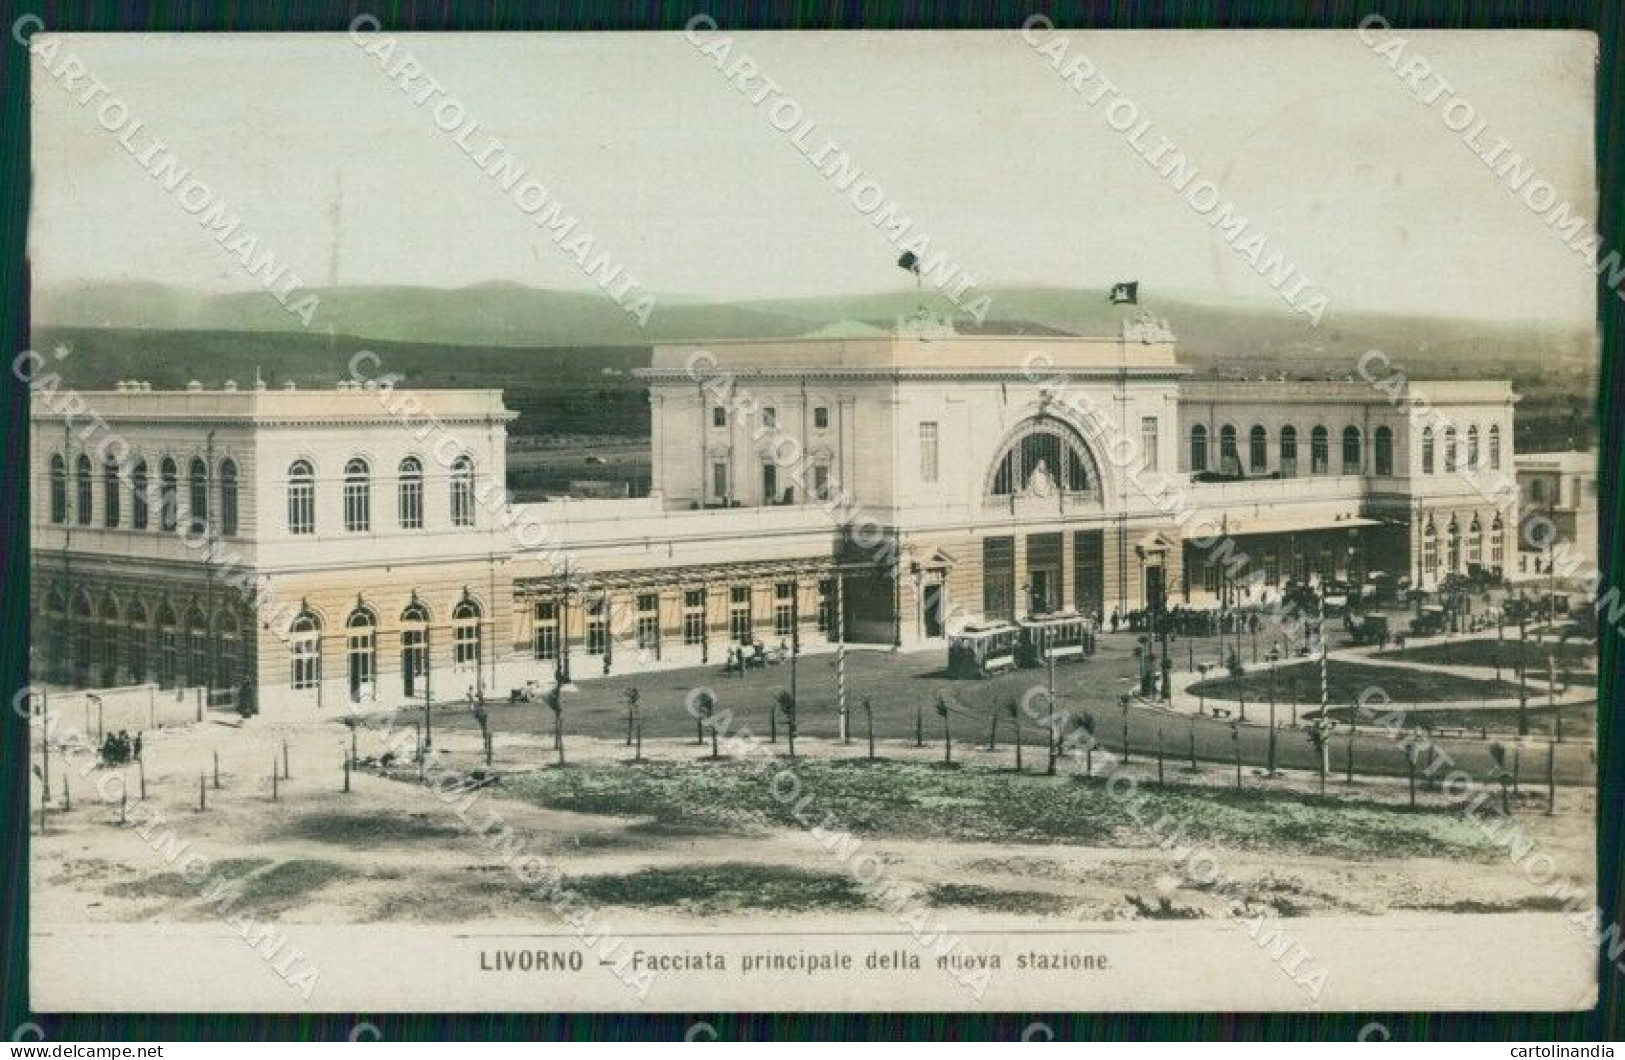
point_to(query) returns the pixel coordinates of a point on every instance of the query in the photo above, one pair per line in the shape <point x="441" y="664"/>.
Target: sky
<point x="685" y="182"/>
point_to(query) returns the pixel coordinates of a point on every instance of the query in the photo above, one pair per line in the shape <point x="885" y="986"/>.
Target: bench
<point x="1450" y="730"/>
<point x="1220" y="712"/>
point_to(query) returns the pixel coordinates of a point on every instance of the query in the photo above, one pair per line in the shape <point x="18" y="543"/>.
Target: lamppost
<point x="1272" y="656"/>
<point x="1122" y="701"/>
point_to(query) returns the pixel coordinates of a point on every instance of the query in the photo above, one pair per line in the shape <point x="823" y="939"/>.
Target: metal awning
<point x="1277" y="524"/>
<point x="694" y="576"/>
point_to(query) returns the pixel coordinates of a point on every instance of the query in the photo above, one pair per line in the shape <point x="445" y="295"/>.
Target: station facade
<point x="316" y="551"/>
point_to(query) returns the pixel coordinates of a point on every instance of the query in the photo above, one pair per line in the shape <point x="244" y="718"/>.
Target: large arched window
<point x="228" y="497"/>
<point x="410" y="499"/>
<point x="1450" y="452"/>
<point x="108" y="638"/>
<point x="465" y="635"/>
<point x="228" y="638"/>
<point x="138" y="495"/>
<point x="83" y="490"/>
<point x="301" y="498"/>
<point x="1475" y="542"/>
<point x="462" y="491"/>
<point x="136" y="620"/>
<point x="357" y="497"/>
<point x="1385" y="451"/>
<point x="110" y="492"/>
<point x="305" y="651"/>
<point x="197" y="647"/>
<point x="415" y="649"/>
<point x="1472" y="448"/>
<point x="1495" y="447"/>
<point x="1351" y="450"/>
<point x="59" y="489"/>
<point x="168" y="496"/>
<point x="197" y="496"/>
<point x="1427" y="450"/>
<point x="84" y="639"/>
<point x="1229" y="461"/>
<point x="1319" y="451"/>
<point x="1497" y="542"/>
<point x="1199" y="447"/>
<point x="1289" y="451"/>
<point x="1258" y="449"/>
<point x="169" y="648"/>
<point x="361" y="650"/>
<point x="1042" y="457"/>
<point x="1452" y="547"/>
<point x="1430" y="551"/>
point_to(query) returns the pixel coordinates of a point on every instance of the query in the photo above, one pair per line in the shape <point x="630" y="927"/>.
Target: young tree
<point x="555" y="703"/>
<point x="947" y="733"/>
<point x="869" y="720"/>
<point x="787" y="703"/>
<point x="705" y="710"/>
<point x="1320" y="738"/>
<point x="1498" y="752"/>
<point x="631" y="695"/>
<point x="1012" y="708"/>
<point x="1087" y="724"/>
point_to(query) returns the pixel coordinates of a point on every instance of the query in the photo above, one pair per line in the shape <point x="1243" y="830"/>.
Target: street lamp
<point x="1272" y="656"/>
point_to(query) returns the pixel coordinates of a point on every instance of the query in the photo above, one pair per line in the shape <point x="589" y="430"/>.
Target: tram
<point x="983" y="648"/>
<point x="1060" y="636"/>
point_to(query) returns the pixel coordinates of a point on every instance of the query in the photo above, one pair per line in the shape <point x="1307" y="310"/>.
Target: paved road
<point x="904" y="685"/>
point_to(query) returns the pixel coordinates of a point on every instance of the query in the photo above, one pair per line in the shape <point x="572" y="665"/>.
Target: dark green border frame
<point x="1605" y="17"/>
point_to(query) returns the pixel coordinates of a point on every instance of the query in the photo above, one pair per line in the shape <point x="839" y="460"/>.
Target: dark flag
<point x="909" y="261"/>
<point x="1126" y="293"/>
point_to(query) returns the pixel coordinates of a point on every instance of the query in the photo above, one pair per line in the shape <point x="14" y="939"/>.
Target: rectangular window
<point x="649" y="622"/>
<point x="1089" y="570"/>
<point x="999" y="577"/>
<point x="1210" y="577"/>
<point x="739" y="624"/>
<point x="1272" y="568"/>
<point x="820" y="482"/>
<point x="928" y="451"/>
<point x="1148" y="442"/>
<point x="545" y="639"/>
<point x="826" y="605"/>
<point x="719" y="416"/>
<point x="598" y="625"/>
<point x="821" y="418"/>
<point x="719" y="481"/>
<point x="694" y="616"/>
<point x="770" y="484"/>
<point x="784" y="609"/>
<point x="770" y="418"/>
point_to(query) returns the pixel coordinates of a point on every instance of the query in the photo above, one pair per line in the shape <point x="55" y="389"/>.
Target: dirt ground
<point x="390" y="850"/>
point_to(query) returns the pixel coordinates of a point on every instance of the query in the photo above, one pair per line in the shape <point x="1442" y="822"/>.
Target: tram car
<point x="1059" y="636"/>
<point x="983" y="648"/>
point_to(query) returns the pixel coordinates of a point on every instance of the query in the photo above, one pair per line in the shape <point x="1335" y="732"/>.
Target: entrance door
<point x="933" y="610"/>
<point x="1155" y="588"/>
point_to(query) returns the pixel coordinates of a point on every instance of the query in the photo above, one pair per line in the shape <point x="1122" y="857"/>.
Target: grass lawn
<point x="978" y="804"/>
<point x="1577" y="720"/>
<point x="1580" y="655"/>
<point x="1300" y="683"/>
<point x="709" y="889"/>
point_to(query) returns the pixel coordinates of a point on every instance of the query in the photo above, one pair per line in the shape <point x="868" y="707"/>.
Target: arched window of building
<point x="1384" y="456"/>
<point x="1497" y="543"/>
<point x="59" y="489"/>
<point x="1289" y="451"/>
<point x="1199" y="447"/>
<point x="1475" y="542"/>
<point x="83" y="490"/>
<point x="1430" y="551"/>
<point x="168" y="496"/>
<point x="410" y="494"/>
<point x="1472" y="448"/>
<point x="301" y="498"/>
<point x="107" y="634"/>
<point x="197" y="496"/>
<point x="56" y="643"/>
<point x="169" y="646"/>
<point x="305" y="651"/>
<point x="197" y="647"/>
<point x="1450" y="450"/>
<point x="1229" y="460"/>
<point x="361" y="649"/>
<point x="1319" y="451"/>
<point x="465" y="634"/>
<point x="415" y="649"/>
<point x="1351" y="450"/>
<point x="1258" y="450"/>
<point x="138" y="633"/>
<point x="110" y="492"/>
<point x="138" y="495"/>
<point x="462" y="491"/>
<point x="1495" y="447"/>
<point x="1453" y="547"/>
<point x="84" y="639"/>
<point x="357" y="496"/>
<point x="228" y="637"/>
<point x="1427" y="450"/>
<point x="1043" y="455"/>
<point x="228" y="498"/>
